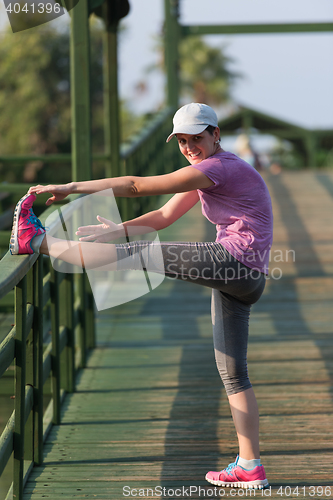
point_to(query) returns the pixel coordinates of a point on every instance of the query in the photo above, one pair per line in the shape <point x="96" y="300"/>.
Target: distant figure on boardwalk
<point x="245" y="151"/>
<point x="235" y="198"/>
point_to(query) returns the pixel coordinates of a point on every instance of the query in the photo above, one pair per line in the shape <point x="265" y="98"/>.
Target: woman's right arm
<point x="156" y="220"/>
<point x="175" y="208"/>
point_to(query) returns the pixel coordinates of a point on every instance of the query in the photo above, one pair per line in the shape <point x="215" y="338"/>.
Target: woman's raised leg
<point x="88" y="255"/>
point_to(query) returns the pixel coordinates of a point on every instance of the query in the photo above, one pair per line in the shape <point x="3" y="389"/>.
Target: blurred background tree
<point x="35" y="100"/>
<point x="205" y="73"/>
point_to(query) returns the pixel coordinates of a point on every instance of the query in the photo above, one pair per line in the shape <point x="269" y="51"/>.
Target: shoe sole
<point x="13" y="245"/>
<point x="256" y="485"/>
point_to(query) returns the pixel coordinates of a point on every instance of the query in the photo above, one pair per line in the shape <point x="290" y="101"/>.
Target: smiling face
<point x="198" y="147"/>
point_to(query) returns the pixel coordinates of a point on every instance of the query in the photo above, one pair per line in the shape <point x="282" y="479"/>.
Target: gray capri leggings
<point x="235" y="287"/>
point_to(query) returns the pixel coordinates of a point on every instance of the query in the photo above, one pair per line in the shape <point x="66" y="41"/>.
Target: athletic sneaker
<point x="26" y="226"/>
<point x="237" y="477"/>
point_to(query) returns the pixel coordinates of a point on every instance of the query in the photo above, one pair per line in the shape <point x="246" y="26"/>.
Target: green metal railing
<point x="45" y="300"/>
<point x="48" y="300"/>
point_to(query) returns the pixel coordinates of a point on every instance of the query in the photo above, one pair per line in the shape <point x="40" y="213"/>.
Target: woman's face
<point x="198" y="147"/>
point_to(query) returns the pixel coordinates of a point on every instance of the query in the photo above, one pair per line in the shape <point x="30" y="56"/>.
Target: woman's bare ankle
<point x="44" y="249"/>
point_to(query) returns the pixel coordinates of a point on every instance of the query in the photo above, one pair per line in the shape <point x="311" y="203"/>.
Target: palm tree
<point x="205" y="75"/>
<point x="204" y="72"/>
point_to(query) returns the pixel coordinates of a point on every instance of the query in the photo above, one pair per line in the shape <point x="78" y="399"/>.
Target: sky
<point x="288" y="76"/>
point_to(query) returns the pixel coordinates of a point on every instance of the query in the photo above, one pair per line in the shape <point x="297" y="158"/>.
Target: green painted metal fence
<point x="48" y="301"/>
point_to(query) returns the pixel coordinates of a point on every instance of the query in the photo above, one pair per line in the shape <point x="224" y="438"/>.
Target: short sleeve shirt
<point x="239" y="204"/>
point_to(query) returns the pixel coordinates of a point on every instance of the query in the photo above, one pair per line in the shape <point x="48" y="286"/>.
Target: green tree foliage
<point x="34" y="91"/>
<point x="204" y="71"/>
<point x="205" y="74"/>
<point x="35" y="99"/>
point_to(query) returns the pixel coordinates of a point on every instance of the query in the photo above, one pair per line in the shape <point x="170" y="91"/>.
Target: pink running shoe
<point x="25" y="227"/>
<point x="237" y="477"/>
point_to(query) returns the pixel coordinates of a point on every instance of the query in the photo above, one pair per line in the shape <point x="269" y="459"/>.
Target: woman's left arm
<point x="180" y="181"/>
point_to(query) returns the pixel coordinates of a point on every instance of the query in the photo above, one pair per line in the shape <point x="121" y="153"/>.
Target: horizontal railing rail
<point x="50" y="158"/>
<point x="265" y="28"/>
<point x="46" y="298"/>
<point x="127" y="149"/>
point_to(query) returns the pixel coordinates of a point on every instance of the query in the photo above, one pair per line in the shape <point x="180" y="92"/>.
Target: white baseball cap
<point x="193" y="119"/>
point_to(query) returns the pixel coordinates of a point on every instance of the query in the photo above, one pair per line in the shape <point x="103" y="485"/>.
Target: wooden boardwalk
<point x="150" y="411"/>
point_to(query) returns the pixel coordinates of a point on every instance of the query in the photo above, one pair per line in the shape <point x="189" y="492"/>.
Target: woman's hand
<point x="101" y="233"/>
<point x="59" y="192"/>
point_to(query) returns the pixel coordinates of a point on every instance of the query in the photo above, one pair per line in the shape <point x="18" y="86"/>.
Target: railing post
<point x="82" y="326"/>
<point x="81" y="123"/>
<point x="20" y="366"/>
<point x="171" y="47"/>
<point x="124" y="202"/>
<point x="80" y="92"/>
<point x="38" y="329"/>
<point x="90" y="316"/>
<point x="29" y="379"/>
<point x="67" y="310"/>
<point x="310" y="147"/>
<point x="55" y="321"/>
<point x="112" y="132"/>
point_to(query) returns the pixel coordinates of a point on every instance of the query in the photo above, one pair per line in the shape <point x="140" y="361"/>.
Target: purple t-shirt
<point x="239" y="204"/>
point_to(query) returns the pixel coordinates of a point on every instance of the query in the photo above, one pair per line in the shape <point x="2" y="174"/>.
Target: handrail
<point x="139" y="140"/>
<point x="12" y="271"/>
<point x="40" y="290"/>
<point x="51" y="158"/>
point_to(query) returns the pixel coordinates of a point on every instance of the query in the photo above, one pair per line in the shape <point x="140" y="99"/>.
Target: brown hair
<point x="210" y="129"/>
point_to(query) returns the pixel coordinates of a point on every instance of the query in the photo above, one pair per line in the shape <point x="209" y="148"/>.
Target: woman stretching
<point x="235" y="198"/>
